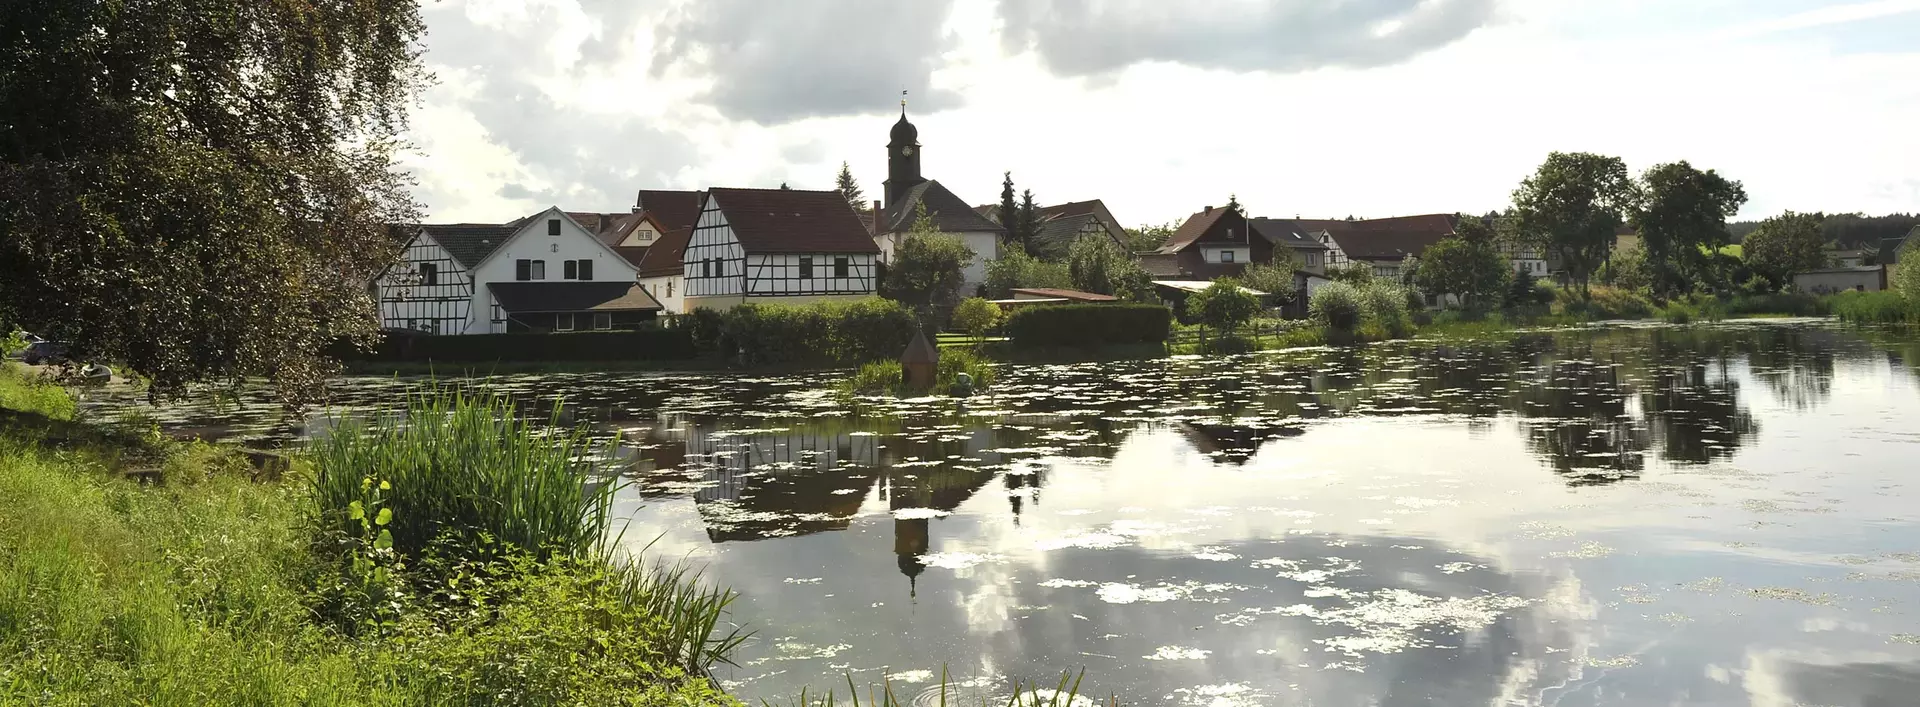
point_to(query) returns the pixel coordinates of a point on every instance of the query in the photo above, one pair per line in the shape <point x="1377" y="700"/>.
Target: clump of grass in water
<point x="464" y="474"/>
<point x="1065" y="694"/>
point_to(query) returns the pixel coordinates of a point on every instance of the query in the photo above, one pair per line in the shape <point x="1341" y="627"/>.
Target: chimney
<point x="1209" y="210"/>
<point x="637" y="206"/>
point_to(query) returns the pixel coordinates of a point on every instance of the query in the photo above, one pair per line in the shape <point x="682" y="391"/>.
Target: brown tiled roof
<point x="1195" y="227"/>
<point x="793" y="221"/>
<point x="1371" y="239"/>
<point x="607" y="296"/>
<point x="1064" y="294"/>
<point x="950" y="213"/>
<point x="676" y="212"/>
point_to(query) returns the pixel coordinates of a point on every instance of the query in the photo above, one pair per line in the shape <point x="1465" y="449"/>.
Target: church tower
<point x="903" y="158"/>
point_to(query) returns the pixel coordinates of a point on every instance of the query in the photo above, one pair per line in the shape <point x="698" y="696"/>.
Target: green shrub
<point x="640" y="345"/>
<point x="704" y="326"/>
<point x="1336" y="305"/>
<point x="1384" y="306"/>
<point x="976" y="316"/>
<point x="1223" y="305"/>
<point x="34" y="393"/>
<point x="954" y="362"/>
<point x="822" y="333"/>
<point x="1605" y="303"/>
<point x="1089" y="325"/>
<point x="876" y="378"/>
<point x="1798" y="304"/>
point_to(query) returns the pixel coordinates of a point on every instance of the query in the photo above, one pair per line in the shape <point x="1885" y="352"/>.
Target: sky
<point x="1314" y="108"/>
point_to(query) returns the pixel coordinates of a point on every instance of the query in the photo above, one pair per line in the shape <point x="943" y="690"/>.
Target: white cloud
<point x="1802" y="123"/>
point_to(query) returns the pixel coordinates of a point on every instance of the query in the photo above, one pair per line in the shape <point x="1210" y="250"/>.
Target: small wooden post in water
<point x="920" y="364"/>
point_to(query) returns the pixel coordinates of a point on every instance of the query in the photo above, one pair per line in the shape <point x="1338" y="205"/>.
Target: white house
<point x="782" y="246"/>
<point x="661" y="270"/>
<point x="541" y="273"/>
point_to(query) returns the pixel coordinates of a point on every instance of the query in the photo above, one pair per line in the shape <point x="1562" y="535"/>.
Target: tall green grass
<point x="35" y="394"/>
<point x="468" y="465"/>
<point x="1064" y="694"/>
<point x="1885" y="307"/>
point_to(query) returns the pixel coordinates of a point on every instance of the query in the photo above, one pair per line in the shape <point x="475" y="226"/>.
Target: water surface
<point x="1638" y="515"/>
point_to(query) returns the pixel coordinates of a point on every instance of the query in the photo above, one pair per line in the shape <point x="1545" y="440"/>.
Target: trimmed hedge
<point x="1089" y="325"/>
<point x="846" y="333"/>
<point x="640" y="345"/>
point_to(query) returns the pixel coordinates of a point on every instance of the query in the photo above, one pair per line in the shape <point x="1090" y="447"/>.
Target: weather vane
<point x="903" y="100"/>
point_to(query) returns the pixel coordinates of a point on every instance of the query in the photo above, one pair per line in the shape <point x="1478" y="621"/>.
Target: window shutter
<point x="523" y="269"/>
<point x="586" y="269"/>
<point x="570" y="270"/>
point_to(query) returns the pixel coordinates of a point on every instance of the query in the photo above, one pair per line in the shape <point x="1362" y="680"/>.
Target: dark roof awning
<point x="539" y="297"/>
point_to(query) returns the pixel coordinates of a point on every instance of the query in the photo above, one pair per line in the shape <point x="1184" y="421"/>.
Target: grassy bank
<point x="211" y="587"/>
<point x="1875" y="308"/>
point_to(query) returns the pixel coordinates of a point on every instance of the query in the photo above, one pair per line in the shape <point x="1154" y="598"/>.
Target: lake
<point x="1722" y="514"/>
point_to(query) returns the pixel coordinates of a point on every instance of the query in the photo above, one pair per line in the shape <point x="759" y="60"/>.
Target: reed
<point x="1066" y="693"/>
<point x="466" y="465"/>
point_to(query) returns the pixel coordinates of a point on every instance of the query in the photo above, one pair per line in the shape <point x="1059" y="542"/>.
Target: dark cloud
<point x="777" y="62"/>
<point x="1097" y="37"/>
<point x="588" y="160"/>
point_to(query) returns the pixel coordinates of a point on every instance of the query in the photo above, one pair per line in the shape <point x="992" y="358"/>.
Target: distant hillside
<point x="1849" y="230"/>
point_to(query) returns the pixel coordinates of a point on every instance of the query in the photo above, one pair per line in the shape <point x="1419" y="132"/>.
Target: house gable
<point x="540" y="226"/>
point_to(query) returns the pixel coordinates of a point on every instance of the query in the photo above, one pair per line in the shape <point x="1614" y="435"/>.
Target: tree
<point x="1223" y="306"/>
<point x="1015" y="268"/>
<point x="927" y="268"/>
<point x="1149" y="238"/>
<point x="849" y="188"/>
<point x="1473" y="270"/>
<point x="1233" y="205"/>
<point x="1572" y="206"/>
<point x="1098" y="265"/>
<point x="1783" y="245"/>
<point x="1353" y="272"/>
<point x="1682" y="219"/>
<point x="1628" y="270"/>
<point x="784" y="187"/>
<point x="201" y="190"/>
<point x="1027" y="224"/>
<point x="1906" y="281"/>
<point x="1009" y="210"/>
<point x="975" y="316"/>
<point x="1275" y="279"/>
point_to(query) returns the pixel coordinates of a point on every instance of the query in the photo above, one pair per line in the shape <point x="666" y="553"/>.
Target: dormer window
<point x="553" y="227"/>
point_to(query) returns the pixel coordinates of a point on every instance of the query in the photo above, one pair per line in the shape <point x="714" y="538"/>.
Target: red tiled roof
<point x="793" y="221"/>
<point x="676" y="212"/>
<point x="1064" y="294"/>
<point x="1380" y="238"/>
<point x="1196" y="226"/>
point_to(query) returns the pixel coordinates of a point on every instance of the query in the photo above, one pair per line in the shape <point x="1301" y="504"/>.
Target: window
<point x="523" y="269"/>
<point x="643" y="235"/>
<point x="669" y="288"/>
<point x="806" y="267"/>
<point x="586" y="269"/>
<point x="1226" y="256"/>
<point x="563" y="322"/>
<point x="706" y="267"/>
<point x="1313" y="259"/>
<point x="429" y="274"/>
<point x="570" y="270"/>
<point x="602" y="321"/>
<point x="553" y="227"/>
<point x="839" y="267"/>
<point x="539" y="270"/>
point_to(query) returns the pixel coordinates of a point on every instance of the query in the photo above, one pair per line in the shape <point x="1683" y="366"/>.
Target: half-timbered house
<point x="541" y="273"/>
<point x="777" y="245"/>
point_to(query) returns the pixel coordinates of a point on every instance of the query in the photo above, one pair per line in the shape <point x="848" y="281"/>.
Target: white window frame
<point x="563" y="317"/>
<point x="602" y="321"/>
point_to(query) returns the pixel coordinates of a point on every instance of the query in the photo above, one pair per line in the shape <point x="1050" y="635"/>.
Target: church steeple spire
<point x="903" y="156"/>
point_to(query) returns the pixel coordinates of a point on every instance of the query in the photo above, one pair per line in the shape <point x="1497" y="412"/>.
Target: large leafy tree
<point x="1469" y="268"/>
<point x="1682" y="219"/>
<point x="1783" y="245"/>
<point x="201" y="190"/>
<point x="926" y="271"/>
<point x="1148" y="238"/>
<point x="1572" y="206"/>
<point x="1015" y="268"/>
<point x="849" y="187"/>
<point x="1098" y="265"/>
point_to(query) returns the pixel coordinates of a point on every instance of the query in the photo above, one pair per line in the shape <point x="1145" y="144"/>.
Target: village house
<point x="662" y="274"/>
<point x="541" y="273"/>
<point x="906" y="191"/>
<point x="785" y="246"/>
<point x="1062" y="224"/>
<point x="1385" y="244"/>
